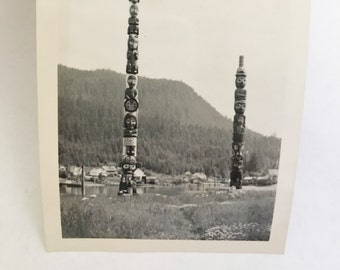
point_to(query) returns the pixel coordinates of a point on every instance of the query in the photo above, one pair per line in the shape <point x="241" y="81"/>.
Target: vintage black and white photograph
<point x="171" y="118"/>
<point x="161" y="133"/>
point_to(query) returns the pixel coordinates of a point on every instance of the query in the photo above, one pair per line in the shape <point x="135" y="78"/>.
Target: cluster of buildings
<point x="73" y="172"/>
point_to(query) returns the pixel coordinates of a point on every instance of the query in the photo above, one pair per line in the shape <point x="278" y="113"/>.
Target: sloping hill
<point x="179" y="130"/>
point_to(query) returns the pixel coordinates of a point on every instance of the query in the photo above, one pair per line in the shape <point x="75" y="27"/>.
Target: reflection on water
<point x="170" y="190"/>
<point x="105" y="190"/>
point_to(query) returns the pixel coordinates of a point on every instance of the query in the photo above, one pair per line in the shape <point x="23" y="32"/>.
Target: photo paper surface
<point x="169" y="126"/>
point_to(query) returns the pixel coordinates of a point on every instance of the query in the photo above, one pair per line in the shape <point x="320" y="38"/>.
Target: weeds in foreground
<point x="227" y="215"/>
<point x="238" y="231"/>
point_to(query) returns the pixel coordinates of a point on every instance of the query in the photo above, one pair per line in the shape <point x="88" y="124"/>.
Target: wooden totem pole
<point x="239" y="126"/>
<point x="131" y="104"/>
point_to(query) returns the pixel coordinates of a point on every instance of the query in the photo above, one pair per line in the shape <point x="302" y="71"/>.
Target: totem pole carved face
<point x="131" y="105"/>
<point x="130" y="121"/>
<point x="240" y="106"/>
<point x="134" y="10"/>
<point x="240" y="94"/>
<point x="240" y="81"/>
<point x="130" y="93"/>
<point x="238" y="147"/>
<point x="133" y="29"/>
<point x="236" y="152"/>
<point x="239" y="159"/>
<point x="132" y="68"/>
<point x="130" y="132"/>
<point x="132" y="56"/>
<point x="133" y="21"/>
<point x="129" y="164"/>
<point x="239" y="120"/>
<point x="130" y="150"/>
<point x="132" y="81"/>
<point x="240" y="130"/>
<point x="237" y="162"/>
<point x="132" y="42"/>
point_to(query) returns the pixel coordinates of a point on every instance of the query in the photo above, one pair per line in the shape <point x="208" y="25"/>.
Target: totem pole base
<point x="124" y="186"/>
<point x="237" y="184"/>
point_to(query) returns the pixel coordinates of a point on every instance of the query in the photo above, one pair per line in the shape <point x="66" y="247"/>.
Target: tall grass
<point x="226" y="215"/>
<point x="252" y="209"/>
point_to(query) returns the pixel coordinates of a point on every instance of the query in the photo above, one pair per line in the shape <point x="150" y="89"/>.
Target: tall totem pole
<point x="239" y="126"/>
<point x="131" y="104"/>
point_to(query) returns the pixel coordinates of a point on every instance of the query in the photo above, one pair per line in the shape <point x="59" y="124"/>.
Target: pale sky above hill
<point x="197" y="42"/>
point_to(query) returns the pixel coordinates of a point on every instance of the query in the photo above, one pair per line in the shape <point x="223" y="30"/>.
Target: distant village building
<point x="96" y="172"/>
<point x="151" y="180"/>
<point x="273" y="174"/>
<point x="75" y="171"/>
<point x="198" y="177"/>
<point x="62" y="171"/>
<point x="111" y="170"/>
<point x="139" y="175"/>
<point x="186" y="177"/>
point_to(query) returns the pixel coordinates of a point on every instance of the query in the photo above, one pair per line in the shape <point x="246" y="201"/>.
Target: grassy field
<point x="217" y="215"/>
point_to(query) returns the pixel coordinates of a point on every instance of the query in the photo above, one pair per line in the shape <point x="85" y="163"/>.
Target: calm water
<point x="164" y="190"/>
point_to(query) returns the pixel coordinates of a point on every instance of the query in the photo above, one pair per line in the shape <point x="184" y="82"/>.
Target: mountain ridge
<point x="178" y="129"/>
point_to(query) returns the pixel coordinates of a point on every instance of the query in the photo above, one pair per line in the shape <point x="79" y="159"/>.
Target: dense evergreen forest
<point x="178" y="130"/>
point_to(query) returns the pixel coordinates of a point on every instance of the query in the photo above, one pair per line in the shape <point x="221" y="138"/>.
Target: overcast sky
<point x="197" y="42"/>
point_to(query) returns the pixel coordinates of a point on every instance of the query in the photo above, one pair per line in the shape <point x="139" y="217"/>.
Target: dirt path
<point x="195" y="204"/>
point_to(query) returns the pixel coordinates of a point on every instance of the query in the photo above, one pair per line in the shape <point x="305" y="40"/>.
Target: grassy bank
<point x="224" y="215"/>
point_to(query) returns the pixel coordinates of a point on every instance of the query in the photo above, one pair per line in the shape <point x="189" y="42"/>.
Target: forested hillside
<point x="178" y="130"/>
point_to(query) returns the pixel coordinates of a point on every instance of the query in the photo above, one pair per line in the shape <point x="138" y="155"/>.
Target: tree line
<point x="178" y="130"/>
